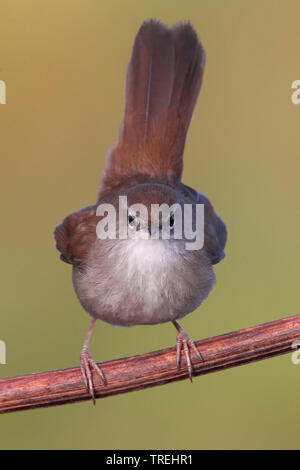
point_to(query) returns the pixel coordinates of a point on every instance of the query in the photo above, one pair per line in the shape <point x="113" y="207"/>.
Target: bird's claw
<point x="185" y="342"/>
<point x="87" y="364"/>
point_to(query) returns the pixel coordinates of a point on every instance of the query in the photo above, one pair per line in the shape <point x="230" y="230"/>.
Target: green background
<point x="64" y="65"/>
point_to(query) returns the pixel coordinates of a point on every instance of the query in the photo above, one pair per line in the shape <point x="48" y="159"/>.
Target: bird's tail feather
<point x="163" y="81"/>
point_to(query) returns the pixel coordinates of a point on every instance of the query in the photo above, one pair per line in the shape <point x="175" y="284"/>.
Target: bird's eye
<point x="172" y="220"/>
<point x="130" y="219"/>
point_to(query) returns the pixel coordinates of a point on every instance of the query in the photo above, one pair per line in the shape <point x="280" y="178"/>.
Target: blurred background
<point x="64" y="66"/>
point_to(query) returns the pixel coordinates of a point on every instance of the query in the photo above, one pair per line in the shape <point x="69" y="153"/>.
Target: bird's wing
<point x="74" y="235"/>
<point x="215" y="232"/>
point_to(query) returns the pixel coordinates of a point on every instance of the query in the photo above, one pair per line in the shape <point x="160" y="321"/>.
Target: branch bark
<point x="148" y="370"/>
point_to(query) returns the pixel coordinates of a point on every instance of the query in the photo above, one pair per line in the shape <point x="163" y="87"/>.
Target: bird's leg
<point x="184" y="341"/>
<point x="87" y="364"/>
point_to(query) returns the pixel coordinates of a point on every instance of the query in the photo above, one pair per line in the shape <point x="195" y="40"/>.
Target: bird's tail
<point x="163" y="81"/>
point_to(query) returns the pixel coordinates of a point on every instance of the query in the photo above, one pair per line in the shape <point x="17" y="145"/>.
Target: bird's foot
<point x="87" y="364"/>
<point x="185" y="342"/>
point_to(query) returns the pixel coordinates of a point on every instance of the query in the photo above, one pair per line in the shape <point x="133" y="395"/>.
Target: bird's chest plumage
<point x="134" y="282"/>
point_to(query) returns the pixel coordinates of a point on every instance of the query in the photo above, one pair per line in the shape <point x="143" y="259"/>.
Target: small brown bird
<point x="146" y="279"/>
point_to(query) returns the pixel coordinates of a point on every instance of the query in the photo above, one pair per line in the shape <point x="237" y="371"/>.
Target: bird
<point x="147" y="279"/>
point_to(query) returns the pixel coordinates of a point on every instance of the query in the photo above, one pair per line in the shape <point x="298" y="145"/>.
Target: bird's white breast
<point x="129" y="282"/>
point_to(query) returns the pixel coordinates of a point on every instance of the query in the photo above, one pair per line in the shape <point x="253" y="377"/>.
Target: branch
<point x="148" y="370"/>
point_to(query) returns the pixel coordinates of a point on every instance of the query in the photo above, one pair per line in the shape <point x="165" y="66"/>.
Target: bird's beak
<point x="154" y="229"/>
<point x="151" y="229"/>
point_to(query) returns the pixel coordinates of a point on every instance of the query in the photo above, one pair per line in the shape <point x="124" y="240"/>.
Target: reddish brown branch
<point x="148" y="370"/>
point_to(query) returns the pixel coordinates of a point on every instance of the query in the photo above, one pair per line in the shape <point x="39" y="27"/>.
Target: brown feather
<point x="75" y="235"/>
<point x="164" y="78"/>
